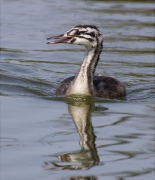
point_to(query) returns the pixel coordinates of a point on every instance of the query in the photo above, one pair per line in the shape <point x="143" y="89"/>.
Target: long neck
<point x="83" y="83"/>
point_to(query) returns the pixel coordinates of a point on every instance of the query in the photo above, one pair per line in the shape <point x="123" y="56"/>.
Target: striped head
<point x="86" y="35"/>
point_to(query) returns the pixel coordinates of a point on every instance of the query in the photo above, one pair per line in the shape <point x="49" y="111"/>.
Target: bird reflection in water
<point x="81" y="112"/>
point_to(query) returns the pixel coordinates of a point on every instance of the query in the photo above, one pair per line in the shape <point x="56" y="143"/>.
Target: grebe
<point x="85" y="82"/>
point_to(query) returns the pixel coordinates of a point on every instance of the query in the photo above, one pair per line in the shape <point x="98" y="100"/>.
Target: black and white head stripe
<point x="87" y="26"/>
<point x="87" y="35"/>
<point x="84" y="29"/>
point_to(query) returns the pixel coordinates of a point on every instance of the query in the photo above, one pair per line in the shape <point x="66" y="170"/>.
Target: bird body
<point x="86" y="83"/>
<point x="104" y="87"/>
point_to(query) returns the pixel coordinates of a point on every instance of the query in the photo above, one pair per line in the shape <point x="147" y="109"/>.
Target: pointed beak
<point x="59" y="39"/>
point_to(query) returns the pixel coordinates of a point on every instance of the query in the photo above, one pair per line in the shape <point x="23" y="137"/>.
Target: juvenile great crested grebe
<point x="85" y="82"/>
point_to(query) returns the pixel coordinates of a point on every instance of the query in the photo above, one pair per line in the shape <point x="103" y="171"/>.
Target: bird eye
<point x="92" y="34"/>
<point x="78" y="33"/>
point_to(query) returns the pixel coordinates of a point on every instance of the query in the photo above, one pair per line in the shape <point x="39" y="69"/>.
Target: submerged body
<point x="86" y="83"/>
<point x="104" y="87"/>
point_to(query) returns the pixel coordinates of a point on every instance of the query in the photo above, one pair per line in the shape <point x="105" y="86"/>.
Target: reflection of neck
<point x="87" y="156"/>
<point x="82" y="118"/>
<point x="83" y="83"/>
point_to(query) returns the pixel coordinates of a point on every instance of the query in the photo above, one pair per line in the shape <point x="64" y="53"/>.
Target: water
<point x="49" y="137"/>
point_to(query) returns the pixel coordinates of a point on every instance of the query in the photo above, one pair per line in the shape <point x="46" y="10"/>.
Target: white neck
<point x="83" y="82"/>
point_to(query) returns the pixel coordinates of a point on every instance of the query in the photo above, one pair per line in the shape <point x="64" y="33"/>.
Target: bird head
<point x="86" y="35"/>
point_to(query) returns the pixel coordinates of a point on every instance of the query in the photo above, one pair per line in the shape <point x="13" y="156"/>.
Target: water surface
<point x="47" y="137"/>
